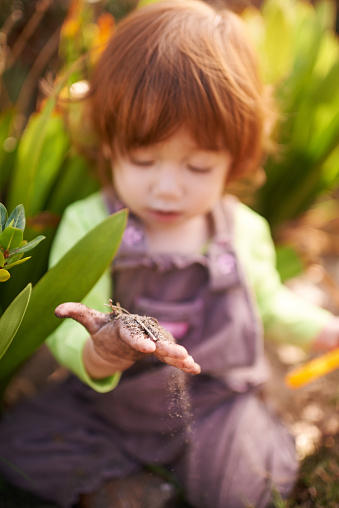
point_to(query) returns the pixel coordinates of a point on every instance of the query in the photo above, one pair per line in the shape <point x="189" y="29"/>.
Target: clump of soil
<point x="137" y="324"/>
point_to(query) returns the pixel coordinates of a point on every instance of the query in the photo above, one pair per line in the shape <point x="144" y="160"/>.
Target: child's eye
<point x="142" y="163"/>
<point x="198" y="169"/>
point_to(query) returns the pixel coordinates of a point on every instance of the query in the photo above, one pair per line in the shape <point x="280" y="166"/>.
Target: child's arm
<point x="286" y="316"/>
<point x="67" y="342"/>
<point x="112" y="347"/>
<point x="328" y="338"/>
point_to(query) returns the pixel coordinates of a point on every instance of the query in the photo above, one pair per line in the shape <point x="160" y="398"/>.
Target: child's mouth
<point x="165" y="215"/>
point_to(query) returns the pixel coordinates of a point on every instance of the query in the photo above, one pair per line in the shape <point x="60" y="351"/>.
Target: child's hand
<point x="114" y="347"/>
<point x="328" y="338"/>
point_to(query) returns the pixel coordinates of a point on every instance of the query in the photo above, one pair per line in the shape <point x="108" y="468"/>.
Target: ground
<point x="312" y="411"/>
<point x="312" y="414"/>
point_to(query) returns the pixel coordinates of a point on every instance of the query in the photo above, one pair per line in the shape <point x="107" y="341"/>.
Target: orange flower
<point x="105" y="28"/>
<point x="106" y="25"/>
<point x="72" y="22"/>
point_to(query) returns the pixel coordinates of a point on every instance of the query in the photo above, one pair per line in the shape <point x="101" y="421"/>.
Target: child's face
<point x="171" y="182"/>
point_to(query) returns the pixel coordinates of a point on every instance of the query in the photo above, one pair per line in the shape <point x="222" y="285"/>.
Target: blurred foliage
<point x="11" y="319"/>
<point x="41" y="168"/>
<point x="29" y="318"/>
<point x="12" y="244"/>
<point x="39" y="165"/>
<point x="299" y="52"/>
<point x="299" y="59"/>
<point x="69" y="280"/>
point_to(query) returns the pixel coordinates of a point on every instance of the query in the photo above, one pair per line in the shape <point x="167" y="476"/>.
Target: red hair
<point x="181" y="63"/>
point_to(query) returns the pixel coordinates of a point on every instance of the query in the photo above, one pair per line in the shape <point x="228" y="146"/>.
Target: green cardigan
<point x="285" y="317"/>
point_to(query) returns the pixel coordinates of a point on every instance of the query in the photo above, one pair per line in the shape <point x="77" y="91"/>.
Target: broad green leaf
<point x="328" y="54"/>
<point x="30" y="245"/>
<point x="3" y="217"/>
<point x="69" y="280"/>
<point x="17" y="218"/>
<point x="75" y="169"/>
<point x="41" y="151"/>
<point x="11" y="238"/>
<point x="12" y="317"/>
<point x="326" y="14"/>
<point x="331" y="170"/>
<point x="327" y="142"/>
<point x="4" y="275"/>
<point x="2" y="259"/>
<point x="278" y="47"/>
<point x="308" y="100"/>
<point x="18" y="262"/>
<point x="8" y="145"/>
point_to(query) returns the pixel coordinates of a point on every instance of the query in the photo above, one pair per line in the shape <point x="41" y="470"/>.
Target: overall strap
<point x="223" y="265"/>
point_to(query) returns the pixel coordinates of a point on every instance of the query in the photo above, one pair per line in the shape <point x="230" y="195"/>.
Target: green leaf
<point x="17" y="218"/>
<point x="30" y="245"/>
<point x="308" y="101"/>
<point x="11" y="238"/>
<point x="2" y="259"/>
<point x="325" y="14"/>
<point x="3" y="217"/>
<point x="142" y="3"/>
<point x="12" y="317"/>
<point x="327" y="142"/>
<point x="41" y="152"/>
<point x="13" y="258"/>
<point x="8" y="145"/>
<point x="4" y="275"/>
<point x="69" y="280"/>
<point x="278" y="48"/>
<point x="18" y="262"/>
<point x="66" y="190"/>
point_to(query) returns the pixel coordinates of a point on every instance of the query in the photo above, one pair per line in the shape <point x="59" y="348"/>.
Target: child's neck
<point x="189" y="237"/>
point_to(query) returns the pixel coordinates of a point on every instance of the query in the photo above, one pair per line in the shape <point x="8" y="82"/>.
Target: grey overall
<point x="212" y="430"/>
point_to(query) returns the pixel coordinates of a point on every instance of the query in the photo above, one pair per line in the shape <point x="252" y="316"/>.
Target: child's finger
<point x="196" y="369"/>
<point x="137" y="341"/>
<point x="188" y="365"/>
<point x="91" y="319"/>
<point x="170" y="349"/>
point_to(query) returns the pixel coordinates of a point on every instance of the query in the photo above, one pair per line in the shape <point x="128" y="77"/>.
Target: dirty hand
<point x="120" y="341"/>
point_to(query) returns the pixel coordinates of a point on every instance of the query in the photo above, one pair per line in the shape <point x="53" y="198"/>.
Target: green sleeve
<point x="286" y="317"/>
<point x="68" y="340"/>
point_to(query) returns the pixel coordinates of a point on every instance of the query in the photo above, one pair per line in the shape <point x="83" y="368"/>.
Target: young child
<point x="178" y="106"/>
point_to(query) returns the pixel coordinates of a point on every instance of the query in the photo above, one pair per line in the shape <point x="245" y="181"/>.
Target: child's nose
<point x="167" y="182"/>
